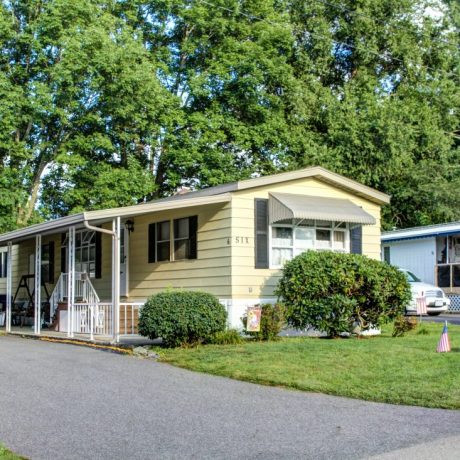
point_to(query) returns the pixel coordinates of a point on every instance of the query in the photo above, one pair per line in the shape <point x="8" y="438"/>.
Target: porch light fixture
<point x="129" y="224"/>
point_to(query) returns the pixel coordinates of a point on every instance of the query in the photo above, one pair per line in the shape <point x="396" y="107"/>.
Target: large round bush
<point x="332" y="291"/>
<point x="182" y="317"/>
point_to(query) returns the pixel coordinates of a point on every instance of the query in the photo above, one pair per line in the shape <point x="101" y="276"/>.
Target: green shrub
<point x="331" y="291"/>
<point x="182" y="317"/>
<point x="403" y="324"/>
<point x="272" y="320"/>
<point x="229" y="337"/>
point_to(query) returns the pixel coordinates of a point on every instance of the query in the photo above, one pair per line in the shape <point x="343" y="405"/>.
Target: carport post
<point x="71" y="282"/>
<point x="116" y="224"/>
<point x="9" y="291"/>
<point x="38" y="284"/>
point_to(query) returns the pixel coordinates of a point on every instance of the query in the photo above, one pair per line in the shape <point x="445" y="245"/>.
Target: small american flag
<point x="444" y="344"/>
<point x="421" y="306"/>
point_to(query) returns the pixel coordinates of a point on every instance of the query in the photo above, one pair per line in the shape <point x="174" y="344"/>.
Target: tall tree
<point x="77" y="88"/>
<point x="200" y="92"/>
<point x="226" y="61"/>
<point x="385" y="78"/>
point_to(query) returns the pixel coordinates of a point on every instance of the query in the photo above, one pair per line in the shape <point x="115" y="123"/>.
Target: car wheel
<point x="434" y="314"/>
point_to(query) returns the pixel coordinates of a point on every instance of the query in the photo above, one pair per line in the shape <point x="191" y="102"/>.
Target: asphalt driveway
<point x="66" y="402"/>
<point x="449" y="317"/>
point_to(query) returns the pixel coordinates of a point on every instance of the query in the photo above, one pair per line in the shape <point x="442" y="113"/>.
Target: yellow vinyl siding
<point x="209" y="272"/>
<point x="14" y="266"/>
<point x="249" y="282"/>
<point x="225" y="248"/>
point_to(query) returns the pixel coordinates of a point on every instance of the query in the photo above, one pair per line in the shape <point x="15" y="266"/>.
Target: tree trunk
<point x="25" y="212"/>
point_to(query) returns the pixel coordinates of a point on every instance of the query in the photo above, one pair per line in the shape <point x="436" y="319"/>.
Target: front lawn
<point x="5" y="454"/>
<point x="405" y="370"/>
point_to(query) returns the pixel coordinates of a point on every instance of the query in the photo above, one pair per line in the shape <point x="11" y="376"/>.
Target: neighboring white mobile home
<point x="94" y="270"/>
<point x="431" y="252"/>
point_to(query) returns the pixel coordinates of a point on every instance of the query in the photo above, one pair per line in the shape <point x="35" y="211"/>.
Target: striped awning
<point x="289" y="206"/>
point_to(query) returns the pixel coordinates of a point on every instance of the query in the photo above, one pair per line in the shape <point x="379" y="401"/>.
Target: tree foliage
<point x="332" y="291"/>
<point x="201" y="92"/>
<point x="182" y="318"/>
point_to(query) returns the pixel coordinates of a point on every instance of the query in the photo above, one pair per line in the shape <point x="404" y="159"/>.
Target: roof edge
<point x="107" y="214"/>
<point x="319" y="172"/>
<point x="43" y="227"/>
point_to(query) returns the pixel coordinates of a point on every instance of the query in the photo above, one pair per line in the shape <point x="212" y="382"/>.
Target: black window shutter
<point x="63" y="255"/>
<point x="152" y="241"/>
<point x="192" y="229"/>
<point x="51" y="263"/>
<point x="98" y="255"/>
<point x="261" y="233"/>
<point x="356" y="240"/>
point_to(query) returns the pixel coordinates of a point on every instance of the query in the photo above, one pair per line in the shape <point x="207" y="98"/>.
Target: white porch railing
<point x="129" y="318"/>
<point x="84" y="291"/>
<point x="93" y="319"/>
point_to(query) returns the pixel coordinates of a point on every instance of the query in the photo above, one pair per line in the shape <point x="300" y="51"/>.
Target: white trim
<point x="421" y="232"/>
<point x="38" y="284"/>
<point x="71" y="282"/>
<point x="116" y="224"/>
<point x="9" y="290"/>
<point x="156" y="206"/>
<point x="124" y="287"/>
<point x="56" y="225"/>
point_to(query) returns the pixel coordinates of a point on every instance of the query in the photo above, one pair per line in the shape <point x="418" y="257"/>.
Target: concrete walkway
<point x="67" y="402"/>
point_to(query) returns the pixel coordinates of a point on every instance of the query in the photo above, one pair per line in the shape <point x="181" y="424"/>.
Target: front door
<point x="124" y="262"/>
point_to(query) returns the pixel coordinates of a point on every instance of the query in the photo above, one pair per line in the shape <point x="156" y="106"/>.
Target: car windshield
<point x="411" y="277"/>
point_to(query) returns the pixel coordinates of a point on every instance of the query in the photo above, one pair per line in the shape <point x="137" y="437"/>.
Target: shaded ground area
<point x="67" y="402"/>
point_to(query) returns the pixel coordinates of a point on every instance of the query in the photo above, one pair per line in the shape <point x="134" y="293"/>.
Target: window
<point x="47" y="260"/>
<point x="3" y="264"/>
<point x="163" y="241"/>
<point x="292" y="237"/>
<point x="181" y="232"/>
<point x="386" y="254"/>
<point x="85" y="252"/>
<point x="181" y="239"/>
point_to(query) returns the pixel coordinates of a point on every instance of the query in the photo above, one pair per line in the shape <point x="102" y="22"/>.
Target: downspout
<point x="115" y="234"/>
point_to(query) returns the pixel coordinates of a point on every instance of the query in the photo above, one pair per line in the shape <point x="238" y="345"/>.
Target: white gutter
<point x="156" y="206"/>
<point x="115" y="233"/>
<point x="99" y="229"/>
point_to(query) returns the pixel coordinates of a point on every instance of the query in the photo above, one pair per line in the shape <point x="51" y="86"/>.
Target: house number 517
<point x="238" y="240"/>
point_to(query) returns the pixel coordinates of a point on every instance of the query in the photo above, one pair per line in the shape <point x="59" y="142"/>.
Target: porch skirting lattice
<point x="454" y="303"/>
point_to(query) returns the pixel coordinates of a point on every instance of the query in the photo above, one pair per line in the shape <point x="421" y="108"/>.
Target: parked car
<point x="436" y="301"/>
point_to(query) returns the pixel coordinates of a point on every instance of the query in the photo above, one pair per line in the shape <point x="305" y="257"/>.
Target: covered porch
<point x="71" y="276"/>
<point x="88" y="321"/>
<point x="42" y="300"/>
<point x="35" y="303"/>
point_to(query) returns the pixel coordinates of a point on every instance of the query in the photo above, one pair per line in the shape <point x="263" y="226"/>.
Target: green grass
<point x="404" y="370"/>
<point x="6" y="454"/>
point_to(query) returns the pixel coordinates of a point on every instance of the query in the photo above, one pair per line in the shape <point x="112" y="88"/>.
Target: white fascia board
<point x="148" y="208"/>
<point x="421" y="232"/>
<point x="321" y="173"/>
<point x="52" y="226"/>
